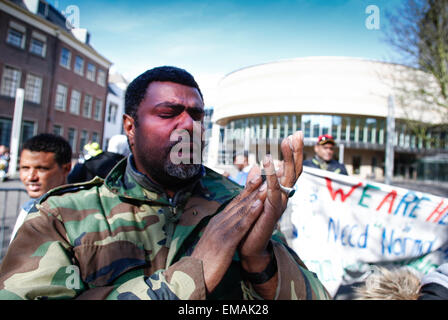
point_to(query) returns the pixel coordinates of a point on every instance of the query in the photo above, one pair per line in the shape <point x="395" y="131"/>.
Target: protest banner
<point x="341" y="226"/>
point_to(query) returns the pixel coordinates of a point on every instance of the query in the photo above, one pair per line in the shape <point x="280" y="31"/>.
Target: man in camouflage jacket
<point x="130" y="237"/>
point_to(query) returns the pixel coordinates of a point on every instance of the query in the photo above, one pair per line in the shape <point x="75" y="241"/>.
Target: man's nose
<point x="32" y="175"/>
<point x="186" y="122"/>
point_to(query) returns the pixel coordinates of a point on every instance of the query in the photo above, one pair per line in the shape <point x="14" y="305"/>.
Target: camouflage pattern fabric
<point x="113" y="239"/>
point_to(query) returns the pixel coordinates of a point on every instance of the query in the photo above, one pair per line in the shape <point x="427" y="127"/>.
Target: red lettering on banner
<point x="438" y="211"/>
<point x="393" y="195"/>
<point x="340" y="191"/>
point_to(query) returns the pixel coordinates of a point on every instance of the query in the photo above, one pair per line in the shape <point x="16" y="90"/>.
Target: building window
<point x="79" y="65"/>
<point x="58" y="130"/>
<point x="97" y="110"/>
<point x="84" y="139"/>
<point x="10" y="81"/>
<point x="112" y="113"/>
<point x="65" y="58"/>
<point x="37" y="47"/>
<point x="16" y="38"/>
<point x="5" y="131"/>
<point x="28" y="130"/>
<point x="61" y="98"/>
<point x="91" y="69"/>
<point x="101" y="79"/>
<point x="75" y="102"/>
<point x="95" y="137"/>
<point x="38" y="44"/>
<point x="356" y="164"/>
<point x="33" y="88"/>
<point x="87" y="108"/>
<point x="72" y="138"/>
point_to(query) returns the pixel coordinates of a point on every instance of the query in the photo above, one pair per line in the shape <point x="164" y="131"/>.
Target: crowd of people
<point x="137" y="226"/>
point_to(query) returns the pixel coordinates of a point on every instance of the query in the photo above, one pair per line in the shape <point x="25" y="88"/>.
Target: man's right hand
<point x="225" y="231"/>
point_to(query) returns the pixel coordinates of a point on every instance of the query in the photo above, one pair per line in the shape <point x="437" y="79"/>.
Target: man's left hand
<point x="253" y="248"/>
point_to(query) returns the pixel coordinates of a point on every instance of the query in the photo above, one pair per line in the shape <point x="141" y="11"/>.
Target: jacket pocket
<point x="101" y="265"/>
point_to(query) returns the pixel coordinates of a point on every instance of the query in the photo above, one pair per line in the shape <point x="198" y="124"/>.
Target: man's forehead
<point x="166" y="91"/>
<point x="37" y="155"/>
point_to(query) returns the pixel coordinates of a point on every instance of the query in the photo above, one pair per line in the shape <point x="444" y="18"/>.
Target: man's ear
<point x="129" y="128"/>
<point x="67" y="167"/>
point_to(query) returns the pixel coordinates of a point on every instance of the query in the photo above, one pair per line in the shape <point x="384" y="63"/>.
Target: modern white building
<point x="346" y="97"/>
<point x="113" y="122"/>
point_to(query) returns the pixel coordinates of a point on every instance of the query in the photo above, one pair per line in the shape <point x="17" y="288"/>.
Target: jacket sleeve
<point x="295" y="281"/>
<point x="435" y="284"/>
<point x="40" y="264"/>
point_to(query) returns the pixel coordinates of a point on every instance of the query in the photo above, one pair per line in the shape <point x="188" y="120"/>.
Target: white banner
<point x="341" y="225"/>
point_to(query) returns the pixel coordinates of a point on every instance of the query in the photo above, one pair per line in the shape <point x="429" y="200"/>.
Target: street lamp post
<point x="15" y="132"/>
<point x="389" y="163"/>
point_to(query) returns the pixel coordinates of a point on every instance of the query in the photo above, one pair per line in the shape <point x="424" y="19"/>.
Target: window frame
<point x="79" y="102"/>
<point x="69" y="59"/>
<point x="75" y="70"/>
<point x="86" y="98"/>
<point x="2" y="84"/>
<point x="91" y="74"/>
<point x="64" y="107"/>
<point x="27" y="92"/>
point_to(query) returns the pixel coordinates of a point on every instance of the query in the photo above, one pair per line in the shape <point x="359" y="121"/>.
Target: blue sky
<point x="213" y="38"/>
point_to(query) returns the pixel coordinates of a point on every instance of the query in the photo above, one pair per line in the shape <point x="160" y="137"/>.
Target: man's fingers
<point x="253" y="173"/>
<point x="289" y="171"/>
<point x="273" y="185"/>
<point x="297" y="143"/>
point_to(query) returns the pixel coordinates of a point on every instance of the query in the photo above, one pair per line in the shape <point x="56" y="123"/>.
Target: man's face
<point x="39" y="172"/>
<point x="325" y="151"/>
<point x="166" y="109"/>
<point x="240" y="162"/>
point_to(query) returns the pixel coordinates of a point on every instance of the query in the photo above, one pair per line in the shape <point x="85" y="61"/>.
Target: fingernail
<point x="263" y="187"/>
<point x="290" y="143"/>
<point x="267" y="160"/>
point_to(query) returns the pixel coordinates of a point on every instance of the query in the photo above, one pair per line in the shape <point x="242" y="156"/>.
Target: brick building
<point x="64" y="78"/>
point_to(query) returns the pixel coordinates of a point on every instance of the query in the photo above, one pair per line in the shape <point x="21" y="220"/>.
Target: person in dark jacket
<point x="101" y="164"/>
<point x="323" y="159"/>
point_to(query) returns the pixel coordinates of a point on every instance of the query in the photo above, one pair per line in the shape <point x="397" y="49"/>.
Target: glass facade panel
<point x="343" y="128"/>
<point x="336" y="127"/>
<point x="365" y="130"/>
<point x="371" y="130"/>
<point x="306" y="124"/>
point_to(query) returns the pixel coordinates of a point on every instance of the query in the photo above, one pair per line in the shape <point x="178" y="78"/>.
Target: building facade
<point x="348" y="98"/>
<point x="65" y="79"/>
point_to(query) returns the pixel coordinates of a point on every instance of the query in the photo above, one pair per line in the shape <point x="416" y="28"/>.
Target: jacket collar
<point x="126" y="181"/>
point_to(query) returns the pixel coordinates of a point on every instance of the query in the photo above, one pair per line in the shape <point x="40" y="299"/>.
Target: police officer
<point x="323" y="159"/>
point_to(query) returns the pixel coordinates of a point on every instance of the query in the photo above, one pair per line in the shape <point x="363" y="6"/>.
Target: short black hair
<point x="136" y="90"/>
<point x="47" y="142"/>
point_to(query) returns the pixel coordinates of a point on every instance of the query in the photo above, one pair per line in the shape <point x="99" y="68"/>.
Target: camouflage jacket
<point x="114" y="239"/>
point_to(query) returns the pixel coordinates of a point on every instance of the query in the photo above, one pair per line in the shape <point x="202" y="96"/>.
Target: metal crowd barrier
<point x="11" y="200"/>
